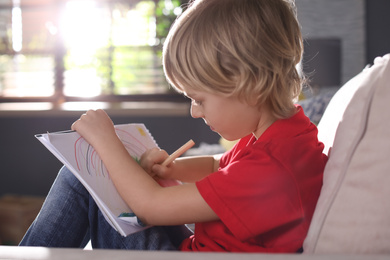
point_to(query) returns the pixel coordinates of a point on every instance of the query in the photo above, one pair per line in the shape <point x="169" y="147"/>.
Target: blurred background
<point x="59" y="49"/>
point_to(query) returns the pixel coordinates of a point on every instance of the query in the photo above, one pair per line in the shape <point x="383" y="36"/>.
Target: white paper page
<point x="84" y="162"/>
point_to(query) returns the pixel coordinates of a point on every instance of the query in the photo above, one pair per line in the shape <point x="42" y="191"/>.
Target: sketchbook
<point x="82" y="160"/>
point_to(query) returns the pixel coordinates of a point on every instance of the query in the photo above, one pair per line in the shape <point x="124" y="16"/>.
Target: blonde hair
<point x="243" y="48"/>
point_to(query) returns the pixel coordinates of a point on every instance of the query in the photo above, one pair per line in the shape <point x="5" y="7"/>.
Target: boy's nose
<point x="195" y="112"/>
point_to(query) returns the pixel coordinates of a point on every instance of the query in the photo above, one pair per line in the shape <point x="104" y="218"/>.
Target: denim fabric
<point x="70" y="218"/>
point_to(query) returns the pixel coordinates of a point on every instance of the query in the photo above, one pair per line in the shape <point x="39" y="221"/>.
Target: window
<point x="69" y="50"/>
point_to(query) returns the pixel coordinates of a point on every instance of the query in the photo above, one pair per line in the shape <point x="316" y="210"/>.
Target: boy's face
<point x="228" y="116"/>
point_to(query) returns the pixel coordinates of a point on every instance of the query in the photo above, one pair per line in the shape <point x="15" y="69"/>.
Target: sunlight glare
<point x="17" y="30"/>
<point x="85" y="27"/>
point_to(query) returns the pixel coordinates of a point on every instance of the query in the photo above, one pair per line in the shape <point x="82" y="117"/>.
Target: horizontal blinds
<point x="80" y="48"/>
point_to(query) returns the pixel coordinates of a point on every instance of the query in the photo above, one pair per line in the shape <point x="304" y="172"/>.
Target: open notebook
<point x="82" y="160"/>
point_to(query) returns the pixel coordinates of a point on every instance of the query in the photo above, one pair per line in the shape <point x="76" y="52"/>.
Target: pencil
<point x="178" y="152"/>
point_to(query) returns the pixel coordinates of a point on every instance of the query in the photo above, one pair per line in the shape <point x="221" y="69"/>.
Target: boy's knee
<point x="66" y="178"/>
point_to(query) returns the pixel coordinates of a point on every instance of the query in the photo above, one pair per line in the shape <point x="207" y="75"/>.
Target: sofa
<point x="352" y="217"/>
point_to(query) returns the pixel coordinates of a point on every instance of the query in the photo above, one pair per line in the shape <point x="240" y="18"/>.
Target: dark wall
<point x="377" y="28"/>
<point x="28" y="168"/>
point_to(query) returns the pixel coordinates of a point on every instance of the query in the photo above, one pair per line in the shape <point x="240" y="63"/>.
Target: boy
<point x="236" y="60"/>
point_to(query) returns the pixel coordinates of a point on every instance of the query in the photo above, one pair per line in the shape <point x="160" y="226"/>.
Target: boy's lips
<point x="212" y="128"/>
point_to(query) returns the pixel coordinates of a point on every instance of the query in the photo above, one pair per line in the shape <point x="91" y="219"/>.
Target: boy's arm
<point x="152" y="203"/>
<point x="185" y="169"/>
<point x="192" y="169"/>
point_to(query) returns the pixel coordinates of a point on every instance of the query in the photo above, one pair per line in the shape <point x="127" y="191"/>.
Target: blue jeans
<point x="70" y="218"/>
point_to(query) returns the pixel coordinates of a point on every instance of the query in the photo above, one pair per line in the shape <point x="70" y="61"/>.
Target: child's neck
<point x="266" y="120"/>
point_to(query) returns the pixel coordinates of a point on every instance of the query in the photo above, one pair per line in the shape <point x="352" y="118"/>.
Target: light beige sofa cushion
<point x="353" y="211"/>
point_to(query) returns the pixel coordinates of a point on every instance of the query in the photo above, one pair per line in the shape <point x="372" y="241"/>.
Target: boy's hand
<point x="96" y="127"/>
<point x="151" y="161"/>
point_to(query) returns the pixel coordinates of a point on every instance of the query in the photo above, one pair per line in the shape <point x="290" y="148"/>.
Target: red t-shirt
<point x="264" y="191"/>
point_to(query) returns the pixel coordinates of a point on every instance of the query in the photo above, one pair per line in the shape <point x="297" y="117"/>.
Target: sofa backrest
<point x="353" y="211"/>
